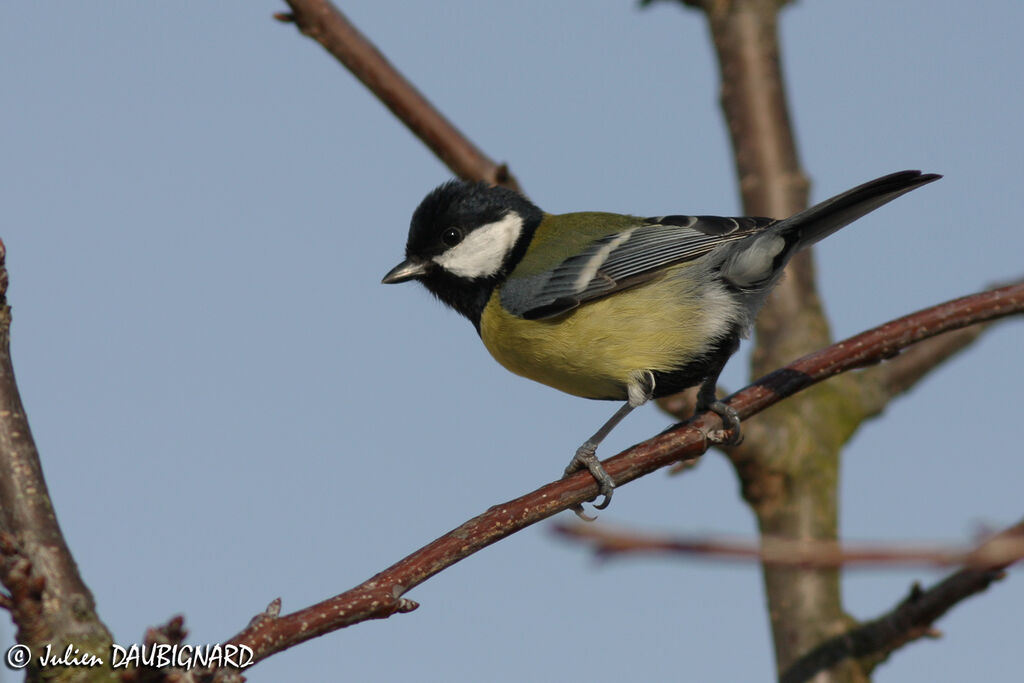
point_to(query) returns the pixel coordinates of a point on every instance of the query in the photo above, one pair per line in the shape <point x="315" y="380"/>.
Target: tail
<point x="821" y="220"/>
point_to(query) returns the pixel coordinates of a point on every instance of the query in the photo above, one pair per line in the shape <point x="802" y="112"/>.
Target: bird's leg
<point x="586" y="456"/>
<point x="706" y="400"/>
<point x="640" y="390"/>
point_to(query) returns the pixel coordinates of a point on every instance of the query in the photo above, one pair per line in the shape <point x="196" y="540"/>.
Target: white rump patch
<point x="483" y="251"/>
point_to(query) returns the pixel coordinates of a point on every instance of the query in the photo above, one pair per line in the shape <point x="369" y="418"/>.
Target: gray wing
<point x="622" y="259"/>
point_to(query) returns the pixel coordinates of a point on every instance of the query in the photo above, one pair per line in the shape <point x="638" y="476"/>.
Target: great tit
<point x="609" y="306"/>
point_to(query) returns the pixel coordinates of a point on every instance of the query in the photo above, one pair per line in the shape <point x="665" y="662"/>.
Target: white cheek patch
<point x="483" y="251"/>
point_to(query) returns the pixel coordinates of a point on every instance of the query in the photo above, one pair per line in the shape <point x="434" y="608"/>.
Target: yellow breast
<point x="593" y="350"/>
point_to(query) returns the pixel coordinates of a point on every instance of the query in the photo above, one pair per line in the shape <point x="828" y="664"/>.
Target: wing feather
<point x="622" y="259"/>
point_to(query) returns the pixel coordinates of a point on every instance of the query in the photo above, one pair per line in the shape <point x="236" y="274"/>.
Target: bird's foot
<point x="730" y="434"/>
<point x="586" y="458"/>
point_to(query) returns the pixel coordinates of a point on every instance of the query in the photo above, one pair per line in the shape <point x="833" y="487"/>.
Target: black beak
<point x="406" y="270"/>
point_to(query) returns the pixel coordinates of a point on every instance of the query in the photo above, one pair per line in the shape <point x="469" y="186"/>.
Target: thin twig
<point x="382" y="595"/>
<point x="324" y="23"/>
<point x="789" y="552"/>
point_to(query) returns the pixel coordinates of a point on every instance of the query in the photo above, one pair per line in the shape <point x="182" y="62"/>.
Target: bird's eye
<point x="451" y="237"/>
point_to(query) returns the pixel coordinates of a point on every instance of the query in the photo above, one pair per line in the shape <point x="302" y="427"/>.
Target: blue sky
<point x="198" y="207"/>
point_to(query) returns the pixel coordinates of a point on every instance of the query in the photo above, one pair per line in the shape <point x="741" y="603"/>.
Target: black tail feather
<point x="823" y="219"/>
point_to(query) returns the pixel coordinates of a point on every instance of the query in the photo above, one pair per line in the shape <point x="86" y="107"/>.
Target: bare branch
<point x="25" y="600"/>
<point x="172" y="633"/>
<point x="381" y="596"/>
<point x="878" y="344"/>
<point x="882" y="384"/>
<point x="37" y="565"/>
<point x="789" y="552"/>
<point x="873" y="641"/>
<point x="324" y="23"/>
<point x="772" y="182"/>
<point x="918" y="362"/>
<point x="788" y="465"/>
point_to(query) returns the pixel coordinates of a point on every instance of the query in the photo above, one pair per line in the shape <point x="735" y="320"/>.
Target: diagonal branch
<point x="915" y="365"/>
<point x="900" y="375"/>
<point x="382" y="595"/>
<point x="324" y="23"/>
<point x="875" y="640"/>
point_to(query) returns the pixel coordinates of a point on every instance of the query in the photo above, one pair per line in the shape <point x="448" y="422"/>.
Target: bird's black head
<point x="463" y="240"/>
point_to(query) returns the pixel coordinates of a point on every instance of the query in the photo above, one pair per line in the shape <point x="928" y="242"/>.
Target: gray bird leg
<point x="706" y="400"/>
<point x="640" y="391"/>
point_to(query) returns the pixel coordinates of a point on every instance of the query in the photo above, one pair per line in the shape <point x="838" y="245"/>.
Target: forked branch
<point x="873" y="641"/>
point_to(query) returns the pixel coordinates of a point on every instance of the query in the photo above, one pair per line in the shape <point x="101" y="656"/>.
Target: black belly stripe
<point x="698" y="369"/>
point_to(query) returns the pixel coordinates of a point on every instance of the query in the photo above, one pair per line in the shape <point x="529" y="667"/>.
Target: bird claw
<point x="586" y="458"/>
<point x="578" y="509"/>
<point x="730" y="434"/>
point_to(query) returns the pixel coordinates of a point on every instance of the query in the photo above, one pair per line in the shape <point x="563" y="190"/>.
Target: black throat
<point x="468" y="297"/>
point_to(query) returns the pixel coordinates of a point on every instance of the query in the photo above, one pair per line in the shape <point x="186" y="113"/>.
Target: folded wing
<point x="621" y="260"/>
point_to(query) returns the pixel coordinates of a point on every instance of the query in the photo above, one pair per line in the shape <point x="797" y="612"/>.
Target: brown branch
<point x="903" y="373"/>
<point x="878" y="344"/>
<point x="772" y="181"/>
<point x="914" y="365"/>
<point x="780" y="473"/>
<point x="788" y="466"/>
<point x="999" y="552"/>
<point x="873" y="641"/>
<point x="36" y="557"/>
<point x="25" y="601"/>
<point x="788" y="449"/>
<point x="172" y="633"/>
<point x="381" y="596"/>
<point x="324" y="23"/>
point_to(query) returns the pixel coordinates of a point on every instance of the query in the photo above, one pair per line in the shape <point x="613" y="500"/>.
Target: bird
<point x="609" y="306"/>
